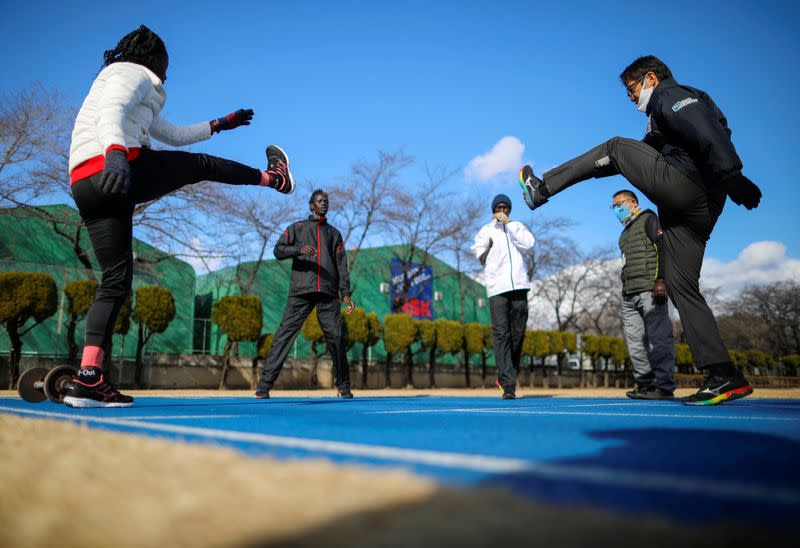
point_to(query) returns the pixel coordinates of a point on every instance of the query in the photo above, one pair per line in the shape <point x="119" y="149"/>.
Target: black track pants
<point x="688" y="213"/>
<point x="509" y="313"/>
<point x="298" y="307"/>
<point x="108" y="220"/>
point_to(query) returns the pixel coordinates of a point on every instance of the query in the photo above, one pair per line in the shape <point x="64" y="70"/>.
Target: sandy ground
<point x="66" y="485"/>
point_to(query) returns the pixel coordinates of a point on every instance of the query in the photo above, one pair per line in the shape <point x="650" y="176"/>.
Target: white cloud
<point x="758" y="263"/>
<point x="201" y="258"/>
<point x="505" y="158"/>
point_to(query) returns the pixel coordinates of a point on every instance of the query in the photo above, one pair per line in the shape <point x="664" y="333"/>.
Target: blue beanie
<point x="501" y="199"/>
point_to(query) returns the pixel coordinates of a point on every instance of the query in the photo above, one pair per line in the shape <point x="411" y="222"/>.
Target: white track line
<point x="481" y="463"/>
<point x="182" y="417"/>
<point x="512" y="411"/>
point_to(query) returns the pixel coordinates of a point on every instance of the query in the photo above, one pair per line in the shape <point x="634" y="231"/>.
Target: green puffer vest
<point x="639" y="257"/>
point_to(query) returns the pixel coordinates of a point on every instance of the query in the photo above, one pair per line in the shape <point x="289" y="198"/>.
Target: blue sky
<point x="333" y="82"/>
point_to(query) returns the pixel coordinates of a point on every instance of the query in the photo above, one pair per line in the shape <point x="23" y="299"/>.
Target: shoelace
<point x="280" y="169"/>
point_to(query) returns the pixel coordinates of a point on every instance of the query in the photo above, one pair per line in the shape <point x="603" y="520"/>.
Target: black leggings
<point x="109" y="221"/>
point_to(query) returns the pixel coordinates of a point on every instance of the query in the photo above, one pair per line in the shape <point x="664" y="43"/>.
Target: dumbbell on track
<point x="39" y="384"/>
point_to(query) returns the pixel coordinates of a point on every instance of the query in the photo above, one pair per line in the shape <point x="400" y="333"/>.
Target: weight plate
<point x="54" y="382"/>
<point x="25" y="385"/>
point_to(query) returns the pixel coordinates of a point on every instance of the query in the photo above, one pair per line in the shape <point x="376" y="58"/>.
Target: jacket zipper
<point x="319" y="262"/>
<point x="510" y="264"/>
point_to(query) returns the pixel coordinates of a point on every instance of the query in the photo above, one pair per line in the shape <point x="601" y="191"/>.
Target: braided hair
<point x="141" y="46"/>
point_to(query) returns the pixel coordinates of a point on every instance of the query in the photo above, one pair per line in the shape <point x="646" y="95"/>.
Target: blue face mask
<point x="622" y="213"/>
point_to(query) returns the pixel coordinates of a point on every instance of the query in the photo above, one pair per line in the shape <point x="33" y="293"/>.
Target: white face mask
<point x="644" y="97"/>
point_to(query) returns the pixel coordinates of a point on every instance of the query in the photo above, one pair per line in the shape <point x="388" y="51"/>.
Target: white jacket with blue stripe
<point x="505" y="268"/>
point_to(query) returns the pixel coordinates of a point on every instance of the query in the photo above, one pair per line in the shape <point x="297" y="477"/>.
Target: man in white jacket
<point x="501" y="246"/>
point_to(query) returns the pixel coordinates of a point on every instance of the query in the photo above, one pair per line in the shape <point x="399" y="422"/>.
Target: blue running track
<point x="735" y="462"/>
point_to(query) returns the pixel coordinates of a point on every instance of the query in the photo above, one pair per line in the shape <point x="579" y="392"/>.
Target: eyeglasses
<point x="625" y="201"/>
<point x="632" y="87"/>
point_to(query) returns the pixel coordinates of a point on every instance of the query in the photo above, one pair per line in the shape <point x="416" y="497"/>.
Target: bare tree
<point x="601" y="301"/>
<point x="359" y="204"/>
<point x="426" y="221"/>
<point x="564" y="277"/>
<point x="777" y="305"/>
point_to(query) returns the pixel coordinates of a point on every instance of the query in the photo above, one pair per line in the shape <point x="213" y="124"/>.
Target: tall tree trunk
<point x="364" y="363"/>
<point x="531" y="377"/>
<point x="559" y="361"/>
<point x="72" y="354"/>
<point x="466" y="368"/>
<point x="226" y="356"/>
<point x="254" y="373"/>
<point x="432" y="367"/>
<point x="121" y="358"/>
<point x="605" y="373"/>
<point x="583" y="375"/>
<point x="139" y="348"/>
<point x="16" y="353"/>
<point x="107" y="364"/>
<point x="545" y="380"/>
<point x="409" y="368"/>
<point x="388" y="378"/>
<point x="483" y="369"/>
<point x="314" y="365"/>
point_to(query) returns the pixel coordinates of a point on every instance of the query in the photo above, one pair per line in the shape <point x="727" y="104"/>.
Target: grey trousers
<point x="648" y="335"/>
<point x="688" y="212"/>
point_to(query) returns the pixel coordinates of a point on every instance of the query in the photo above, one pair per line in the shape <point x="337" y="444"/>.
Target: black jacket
<point x="692" y="134"/>
<point x="326" y="272"/>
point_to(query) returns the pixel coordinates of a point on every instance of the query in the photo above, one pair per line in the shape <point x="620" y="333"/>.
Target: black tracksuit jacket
<point x="326" y="272"/>
<point x="692" y="134"/>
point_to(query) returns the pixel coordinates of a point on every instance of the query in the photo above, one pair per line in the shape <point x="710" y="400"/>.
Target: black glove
<point x="742" y="191"/>
<point x="241" y="117"/>
<point x="660" y="292"/>
<point x="116" y="177"/>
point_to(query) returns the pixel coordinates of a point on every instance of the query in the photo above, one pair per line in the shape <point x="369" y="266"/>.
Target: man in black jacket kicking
<point x="319" y="276"/>
<point x="686" y="165"/>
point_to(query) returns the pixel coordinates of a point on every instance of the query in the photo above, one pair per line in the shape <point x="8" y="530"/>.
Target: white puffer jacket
<point x="122" y="109"/>
<point x="505" y="268"/>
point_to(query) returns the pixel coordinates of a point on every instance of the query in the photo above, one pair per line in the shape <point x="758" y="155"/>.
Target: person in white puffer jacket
<point x="501" y="247"/>
<point x="112" y="168"/>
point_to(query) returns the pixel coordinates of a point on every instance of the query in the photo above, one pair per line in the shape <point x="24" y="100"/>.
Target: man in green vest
<point x="645" y="316"/>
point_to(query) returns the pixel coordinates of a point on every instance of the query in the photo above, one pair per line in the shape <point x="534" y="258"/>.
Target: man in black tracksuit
<point x="319" y="276"/>
<point x="686" y="165"/>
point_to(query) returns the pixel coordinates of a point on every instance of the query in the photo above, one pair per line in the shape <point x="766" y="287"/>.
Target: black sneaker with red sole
<point x="90" y="389"/>
<point x="278" y="169"/>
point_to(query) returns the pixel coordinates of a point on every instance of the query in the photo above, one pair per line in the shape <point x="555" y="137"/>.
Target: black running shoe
<point x="716" y="390"/>
<point x="508" y="392"/>
<point x="278" y="169"/>
<point x="344" y="393"/>
<point x="639" y="392"/>
<point x="262" y="391"/>
<point x="90" y="389"/>
<point x="534" y="191"/>
<point x="658" y="394"/>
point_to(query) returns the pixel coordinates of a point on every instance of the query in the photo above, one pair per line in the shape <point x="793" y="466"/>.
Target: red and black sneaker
<point x="89" y="388"/>
<point x="278" y="170"/>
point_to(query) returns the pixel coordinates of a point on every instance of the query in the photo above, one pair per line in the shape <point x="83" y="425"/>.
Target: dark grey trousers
<point x="648" y="335"/>
<point x="298" y="308"/>
<point x="509" y="313"/>
<point x="688" y="213"/>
